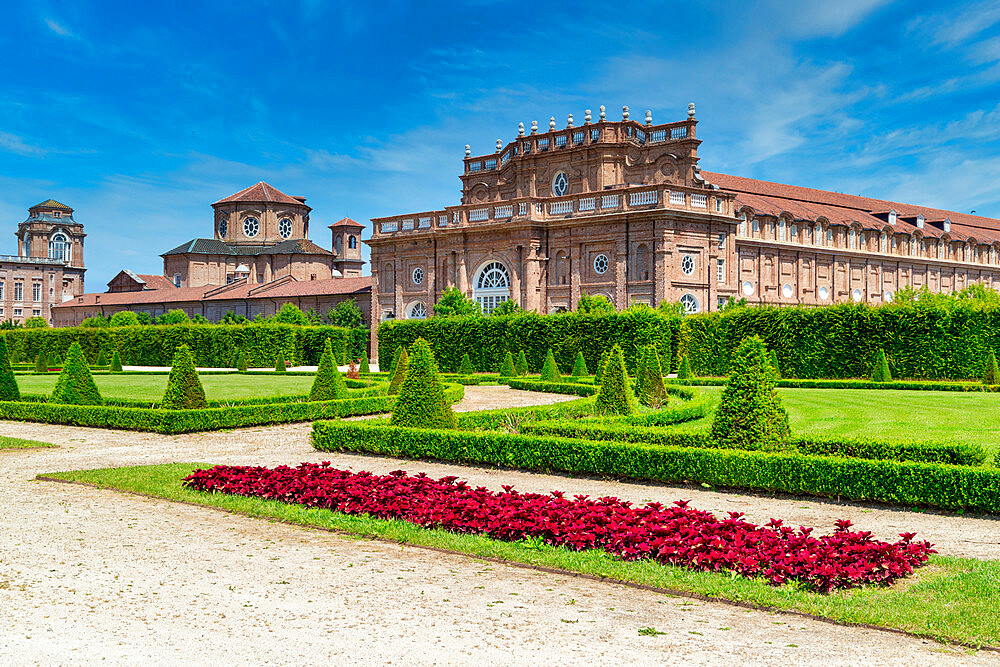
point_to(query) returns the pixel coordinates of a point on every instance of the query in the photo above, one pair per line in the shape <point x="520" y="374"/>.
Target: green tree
<point x="395" y="360"/>
<point x="75" y="384"/>
<point x="94" y="322"/>
<point x="550" y="370"/>
<point x="241" y="361"/>
<point x="881" y="371"/>
<point x="599" y="375"/>
<point x="231" y="318"/>
<point x="124" y="318"/>
<point x="41" y="363"/>
<point x="399" y="371"/>
<point x="580" y="366"/>
<point x="521" y="365"/>
<point x="508" y="307"/>
<point x="184" y="390"/>
<point x="507" y="367"/>
<point x="615" y="396"/>
<point x="684" y="370"/>
<point x="291" y="314"/>
<point x="116" y="362"/>
<point x="774" y="364"/>
<point x="345" y="314"/>
<point x="594" y="305"/>
<point x="750" y="414"/>
<point x="365" y="365"/>
<point x="453" y="303"/>
<point x="328" y="384"/>
<point x="35" y="323"/>
<point x="102" y="359"/>
<point x="467" y="367"/>
<point x="175" y="316"/>
<point x="640" y="373"/>
<point x="8" y="383"/>
<point x="54" y="361"/>
<point x="315" y="319"/>
<point x="992" y="374"/>
<point x="421" y="402"/>
<point x="198" y="318"/>
<point x="279" y="363"/>
<point x="654" y="392"/>
<point x="144" y="318"/>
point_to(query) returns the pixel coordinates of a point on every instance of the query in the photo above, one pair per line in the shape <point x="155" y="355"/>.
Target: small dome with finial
<point x="552" y="123"/>
<point x="649" y="117"/>
<point x="603" y="114"/>
<point x="691" y="110"/>
<point x="625" y="112"/>
<point x="586" y="116"/>
<point x="534" y="127"/>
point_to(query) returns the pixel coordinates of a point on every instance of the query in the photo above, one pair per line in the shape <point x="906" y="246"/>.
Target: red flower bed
<point x="678" y="534"/>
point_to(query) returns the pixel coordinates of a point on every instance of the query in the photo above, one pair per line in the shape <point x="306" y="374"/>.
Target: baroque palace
<point x="622" y="209"/>
<point x="259" y="258"/>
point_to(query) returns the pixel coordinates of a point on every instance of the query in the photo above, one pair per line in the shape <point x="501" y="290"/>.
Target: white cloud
<point x="60" y="29"/>
<point x="953" y="28"/>
<point x="821" y="19"/>
<point x="15" y="144"/>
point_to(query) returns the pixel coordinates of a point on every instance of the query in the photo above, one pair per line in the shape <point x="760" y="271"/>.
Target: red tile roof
<point x="347" y="222"/>
<point x="156" y="282"/>
<point x="261" y="192"/>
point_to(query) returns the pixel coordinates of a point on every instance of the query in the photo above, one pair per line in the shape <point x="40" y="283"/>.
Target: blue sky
<point x="140" y="114"/>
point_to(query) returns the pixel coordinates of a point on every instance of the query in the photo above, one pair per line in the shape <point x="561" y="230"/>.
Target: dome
<point x="242" y="268"/>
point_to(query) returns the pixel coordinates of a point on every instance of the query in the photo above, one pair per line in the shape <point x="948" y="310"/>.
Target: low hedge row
<point x="898" y="482"/>
<point x="514" y="418"/>
<point x="914" y="385"/>
<point x="552" y="387"/>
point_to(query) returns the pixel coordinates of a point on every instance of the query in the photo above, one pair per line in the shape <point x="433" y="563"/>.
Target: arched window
<point x="561" y="275"/>
<point x="388" y="278"/>
<point x="60" y="247"/>
<point x="642" y="262"/>
<point x="492" y="286"/>
<point x="418" y="311"/>
<point x="352" y="242"/>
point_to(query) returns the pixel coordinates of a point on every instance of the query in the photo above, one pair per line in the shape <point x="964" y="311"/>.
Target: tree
<point x="507" y="366"/>
<point x="124" y="318"/>
<point x="328" y="384"/>
<point x="241" y="361"/>
<point x="750" y="414"/>
<point x="102" y="359"/>
<point x="599" y="375"/>
<point x="144" y="318"/>
<point x="774" y="364"/>
<point x="684" y="370"/>
<point x="453" y="303"/>
<point x="399" y="371"/>
<point x="395" y="360"/>
<point x="175" y="316"/>
<point x="594" y="305"/>
<point x="279" y="363"/>
<point x="345" y="314"/>
<point x="53" y="360"/>
<point x="291" y="314"/>
<point x="94" y="322"/>
<point x="550" y="370"/>
<point x="521" y="365"/>
<point x="315" y="319"/>
<point x="365" y="366"/>
<point x="580" y="366"/>
<point x="615" y="396"/>
<point x="75" y="384"/>
<point x="508" y="307"/>
<point x="184" y="390"/>
<point x="654" y="392"/>
<point x="41" y="363"/>
<point x="8" y="383"/>
<point x="421" y="402"/>
<point x="116" y="363"/>
<point x="35" y="323"/>
<point x="198" y="318"/>
<point x="881" y="371"/>
<point x="992" y="374"/>
<point x="467" y="367"/>
<point x="231" y="318"/>
<point x="640" y="372"/>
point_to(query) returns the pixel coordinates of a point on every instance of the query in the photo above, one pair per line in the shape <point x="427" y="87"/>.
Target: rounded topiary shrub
<point x="399" y="371"/>
<point x="8" y="383"/>
<point x="615" y="396"/>
<point x="507" y="366"/>
<point x="580" y="366"/>
<point x="184" y="390"/>
<point x="992" y="374"/>
<point x="684" y="370"/>
<point x="328" y="384"/>
<point x="881" y="371"/>
<point x="550" y="370"/>
<point x="75" y="384"/>
<point x="467" y="367"/>
<point x="421" y="402"/>
<point x="750" y="414"/>
<point x="521" y="365"/>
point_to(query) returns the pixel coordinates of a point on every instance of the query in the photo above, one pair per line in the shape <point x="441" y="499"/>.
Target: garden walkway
<point x="87" y="574"/>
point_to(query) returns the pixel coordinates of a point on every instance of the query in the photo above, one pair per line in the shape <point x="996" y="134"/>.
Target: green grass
<point x="883" y="413"/>
<point x="151" y="387"/>
<point x="953" y="599"/>
<point x="20" y="443"/>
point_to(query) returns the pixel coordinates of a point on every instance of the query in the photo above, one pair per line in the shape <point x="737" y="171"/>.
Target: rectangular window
<point x="718" y="205"/>
<point x="795" y="232"/>
<point x="743" y="227"/>
<point x="1" y="290"/>
<point x="52" y="278"/>
<point x="720" y="269"/>
<point x="723" y="300"/>
<point x="722" y="241"/>
<point x="18" y="291"/>
<point x="851" y="242"/>
<point x="36" y="312"/>
<point x="781" y="230"/>
<point x="756" y="226"/>
<point x="52" y="292"/>
<point x="829" y="235"/>
<point x="36" y="292"/>
<point x="177" y="280"/>
<point x="18" y="312"/>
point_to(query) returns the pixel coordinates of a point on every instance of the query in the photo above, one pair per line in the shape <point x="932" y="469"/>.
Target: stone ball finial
<point x="552" y="123"/>
<point x="625" y="112"/>
<point x="520" y="129"/>
<point x="649" y="117"/>
<point x="569" y="120"/>
<point x="603" y="114"/>
<point x="691" y="110"/>
<point x="468" y="151"/>
<point x="586" y="116"/>
<point x="534" y="127"/>
<point x="499" y="145"/>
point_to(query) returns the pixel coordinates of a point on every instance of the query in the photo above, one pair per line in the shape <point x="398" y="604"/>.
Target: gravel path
<point x="89" y="575"/>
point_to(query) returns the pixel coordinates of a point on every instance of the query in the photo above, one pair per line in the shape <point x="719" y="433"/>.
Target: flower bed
<point x="675" y="535"/>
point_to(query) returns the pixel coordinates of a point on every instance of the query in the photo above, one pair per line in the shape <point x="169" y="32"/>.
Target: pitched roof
<point x="156" y="282"/>
<point x="261" y="192"/>
<point x="217" y="247"/>
<point x="347" y="222"/>
<point x="52" y="203"/>
<point x="769" y="198"/>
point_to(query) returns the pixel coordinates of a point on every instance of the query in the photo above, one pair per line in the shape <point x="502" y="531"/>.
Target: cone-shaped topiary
<point x="654" y="393"/>
<point x="41" y="365"/>
<point x="615" y="397"/>
<point x="507" y="366"/>
<point x="8" y="383"/>
<point x="328" y="384"/>
<point x="399" y="372"/>
<point x="550" y="370"/>
<point x="640" y="372"/>
<point x="116" y="362"/>
<point x="580" y="366"/>
<point x="184" y="390"/>
<point x="421" y="402"/>
<point x="102" y="359"/>
<point x="881" y="371"/>
<point x="279" y="363"/>
<point x="75" y="384"/>
<point x="750" y="414"/>
<point x="992" y="374"/>
<point x="774" y="364"/>
<point x="395" y="360"/>
<point x="466" y="367"/>
<point x="241" y="361"/>
<point x="599" y="376"/>
<point x="684" y="370"/>
<point x="54" y="361"/>
<point x="365" y="366"/>
<point x="521" y="365"/>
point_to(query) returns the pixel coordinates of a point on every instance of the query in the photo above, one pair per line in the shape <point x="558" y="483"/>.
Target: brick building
<point x="259" y="258"/>
<point x="622" y="209"/>
<point x="48" y="268"/>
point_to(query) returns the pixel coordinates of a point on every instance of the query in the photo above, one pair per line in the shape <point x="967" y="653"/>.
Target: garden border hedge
<point x="907" y="385"/>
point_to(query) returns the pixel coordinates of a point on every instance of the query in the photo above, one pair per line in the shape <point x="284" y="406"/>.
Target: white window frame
<point x="417" y="276"/>
<point x="687" y="264"/>
<point x="601" y="259"/>
<point x="690" y="303"/>
<point x="720" y="270"/>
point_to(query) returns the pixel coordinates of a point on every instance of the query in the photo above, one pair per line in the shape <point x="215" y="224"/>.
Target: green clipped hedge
<point x="898" y="482"/>
<point x="212" y="345"/>
<point x="907" y="385"/>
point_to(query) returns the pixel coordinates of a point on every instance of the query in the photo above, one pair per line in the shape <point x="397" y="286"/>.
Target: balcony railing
<point x="32" y="260"/>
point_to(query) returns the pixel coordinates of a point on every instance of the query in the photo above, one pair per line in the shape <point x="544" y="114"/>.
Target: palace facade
<point x="623" y="209"/>
<point x="48" y="268"/>
<point x="259" y="258"/>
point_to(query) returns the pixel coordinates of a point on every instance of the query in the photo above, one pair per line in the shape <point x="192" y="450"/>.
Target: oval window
<point x="748" y="288"/>
<point x="285" y="228"/>
<point x="250" y="227"/>
<point x="223" y="227"/>
<point x="856" y="295"/>
<point x="887" y="297"/>
<point x="601" y="264"/>
<point x="786" y="291"/>
<point x="560" y="184"/>
<point x="418" y="276"/>
<point x="687" y="265"/>
<point x="824" y="293"/>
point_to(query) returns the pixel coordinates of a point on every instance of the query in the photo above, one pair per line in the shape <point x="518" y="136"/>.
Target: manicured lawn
<point x="950" y="598"/>
<point x="920" y="415"/>
<point x="19" y="443"/>
<point x="151" y="387"/>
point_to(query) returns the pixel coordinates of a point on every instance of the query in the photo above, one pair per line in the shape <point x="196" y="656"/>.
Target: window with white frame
<point x="36" y="291"/>
<point x="720" y="270"/>
<point x="787" y="291"/>
<point x="601" y="264"/>
<point x="690" y="303"/>
<point x="251" y="226"/>
<point x="722" y="241"/>
<point x="560" y="183"/>
<point x="794" y="231"/>
<point x="743" y="226"/>
<point x="418" y="311"/>
<point x="747" y="288"/>
<point x="718" y="205"/>
<point x="687" y="265"/>
<point x="418" y="276"/>
<point x="60" y="247"/>
<point x="829" y="235"/>
<point x="18" y="312"/>
<point x="177" y="280"/>
<point x="851" y="235"/>
<point x="1" y="290"/>
<point x="824" y="294"/>
<point x="492" y="287"/>
<point x="284" y="228"/>
<point x="756" y="226"/>
<point x="36" y="312"/>
<point x="18" y="291"/>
